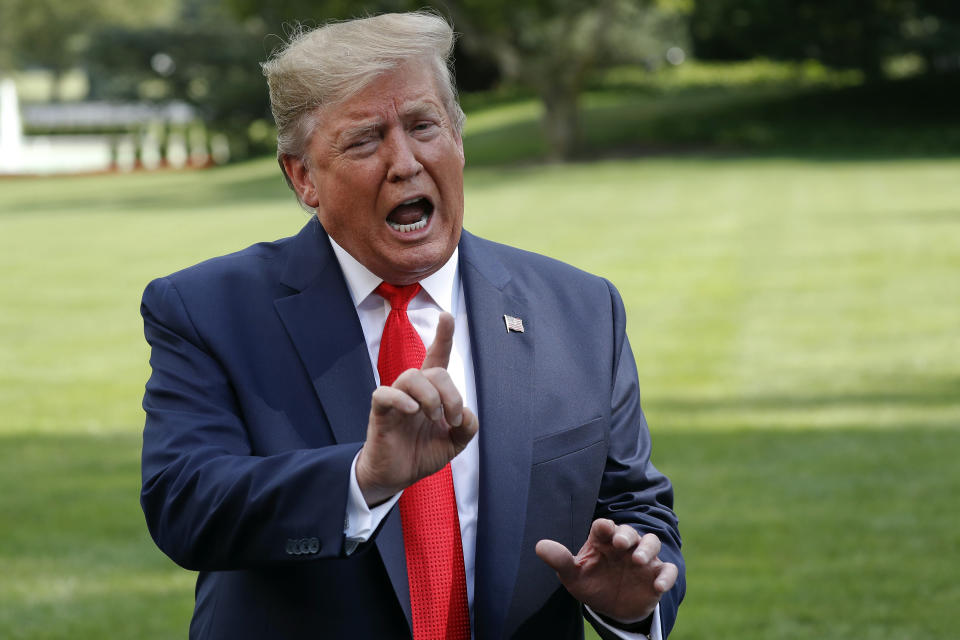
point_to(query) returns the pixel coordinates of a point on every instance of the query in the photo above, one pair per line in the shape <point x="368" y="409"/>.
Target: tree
<point x="213" y="65"/>
<point x="933" y="31"/>
<point x="553" y="46"/>
<point x="845" y="34"/>
<point x="54" y="33"/>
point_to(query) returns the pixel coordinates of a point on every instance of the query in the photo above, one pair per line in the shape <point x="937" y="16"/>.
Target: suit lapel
<point x="503" y="369"/>
<point x="323" y="325"/>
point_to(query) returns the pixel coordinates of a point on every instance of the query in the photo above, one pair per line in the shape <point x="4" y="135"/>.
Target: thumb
<point x="558" y="558"/>
<point x="438" y="355"/>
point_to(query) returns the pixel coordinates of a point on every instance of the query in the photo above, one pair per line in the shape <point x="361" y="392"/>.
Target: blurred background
<point x="774" y="186"/>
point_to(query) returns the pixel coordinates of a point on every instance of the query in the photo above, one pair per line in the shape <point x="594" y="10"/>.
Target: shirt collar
<point x="440" y="286"/>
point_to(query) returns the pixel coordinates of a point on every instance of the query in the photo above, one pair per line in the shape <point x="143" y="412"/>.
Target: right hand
<point x="417" y="425"/>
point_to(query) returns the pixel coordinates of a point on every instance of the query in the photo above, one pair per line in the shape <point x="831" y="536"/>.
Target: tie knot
<point x="397" y="296"/>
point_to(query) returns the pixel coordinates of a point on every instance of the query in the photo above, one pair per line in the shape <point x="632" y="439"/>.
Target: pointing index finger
<point x="438" y="355"/>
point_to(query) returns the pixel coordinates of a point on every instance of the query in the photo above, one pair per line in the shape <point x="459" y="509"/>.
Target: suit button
<point x="314" y="545"/>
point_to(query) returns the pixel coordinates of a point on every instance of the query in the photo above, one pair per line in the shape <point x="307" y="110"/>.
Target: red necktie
<point x="428" y="508"/>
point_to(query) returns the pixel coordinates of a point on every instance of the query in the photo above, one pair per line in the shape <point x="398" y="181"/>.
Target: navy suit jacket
<point x="258" y="403"/>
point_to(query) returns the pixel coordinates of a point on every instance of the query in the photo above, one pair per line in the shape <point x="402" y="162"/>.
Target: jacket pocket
<point x="568" y="441"/>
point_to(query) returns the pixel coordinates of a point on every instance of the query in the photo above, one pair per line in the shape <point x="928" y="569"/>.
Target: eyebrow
<point x="359" y="131"/>
<point x="419" y="109"/>
<point x="412" y="110"/>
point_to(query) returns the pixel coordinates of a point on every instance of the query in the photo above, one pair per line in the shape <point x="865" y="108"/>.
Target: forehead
<point x="408" y="90"/>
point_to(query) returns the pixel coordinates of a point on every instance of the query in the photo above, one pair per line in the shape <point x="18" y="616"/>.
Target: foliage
<point x="754" y="106"/>
<point x="730" y="76"/>
<point x="214" y="66"/>
<point x="845" y="34"/>
<point x="275" y="14"/>
<point x="553" y="46"/>
<point x="54" y="33"/>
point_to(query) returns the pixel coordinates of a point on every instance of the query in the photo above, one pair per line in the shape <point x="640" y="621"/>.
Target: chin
<point x="407" y="271"/>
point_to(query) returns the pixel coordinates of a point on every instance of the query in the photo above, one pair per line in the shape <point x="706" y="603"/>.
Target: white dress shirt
<point x="442" y="291"/>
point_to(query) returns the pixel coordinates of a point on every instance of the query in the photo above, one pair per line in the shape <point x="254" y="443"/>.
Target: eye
<point x="424" y="125"/>
<point x="361" y="147"/>
<point x="359" y="143"/>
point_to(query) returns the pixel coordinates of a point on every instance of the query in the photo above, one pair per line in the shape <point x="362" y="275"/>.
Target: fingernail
<point x="457" y="420"/>
<point x="436" y="414"/>
<point x="642" y="557"/>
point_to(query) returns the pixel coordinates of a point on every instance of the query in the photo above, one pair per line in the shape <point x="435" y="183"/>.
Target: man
<point x="442" y="503"/>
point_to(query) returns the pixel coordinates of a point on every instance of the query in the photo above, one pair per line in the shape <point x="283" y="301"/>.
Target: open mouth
<point x="410" y="215"/>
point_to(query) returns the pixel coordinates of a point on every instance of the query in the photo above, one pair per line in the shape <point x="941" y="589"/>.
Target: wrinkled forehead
<point x="380" y="113"/>
<point x="407" y="92"/>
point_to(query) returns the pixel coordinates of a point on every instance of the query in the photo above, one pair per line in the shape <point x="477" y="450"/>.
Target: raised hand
<point x="616" y="573"/>
<point x="416" y="426"/>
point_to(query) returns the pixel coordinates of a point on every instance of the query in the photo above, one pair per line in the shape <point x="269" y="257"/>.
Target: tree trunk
<point x="560" y="122"/>
<point x="56" y="85"/>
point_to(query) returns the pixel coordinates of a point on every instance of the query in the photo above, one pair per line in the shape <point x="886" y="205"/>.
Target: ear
<point x="299" y="175"/>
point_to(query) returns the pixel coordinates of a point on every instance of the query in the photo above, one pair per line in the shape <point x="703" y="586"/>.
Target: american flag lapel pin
<point x="513" y="324"/>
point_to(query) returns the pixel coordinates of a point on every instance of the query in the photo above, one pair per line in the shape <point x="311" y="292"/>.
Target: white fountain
<point x="11" y="128"/>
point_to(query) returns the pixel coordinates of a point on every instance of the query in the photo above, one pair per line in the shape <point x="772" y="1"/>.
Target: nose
<point x="403" y="163"/>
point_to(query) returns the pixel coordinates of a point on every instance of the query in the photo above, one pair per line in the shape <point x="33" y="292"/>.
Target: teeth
<point x="411" y="201"/>
<point x="413" y="226"/>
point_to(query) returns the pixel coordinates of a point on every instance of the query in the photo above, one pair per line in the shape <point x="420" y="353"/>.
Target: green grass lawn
<point x="795" y="324"/>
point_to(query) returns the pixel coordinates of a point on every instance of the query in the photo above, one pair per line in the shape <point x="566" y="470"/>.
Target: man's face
<point x="384" y="170"/>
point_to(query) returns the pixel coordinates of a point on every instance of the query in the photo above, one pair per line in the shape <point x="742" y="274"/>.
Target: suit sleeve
<point x="633" y="491"/>
<point x="209" y="503"/>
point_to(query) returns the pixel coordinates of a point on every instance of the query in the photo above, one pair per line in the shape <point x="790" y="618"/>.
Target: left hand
<point x="616" y="573"/>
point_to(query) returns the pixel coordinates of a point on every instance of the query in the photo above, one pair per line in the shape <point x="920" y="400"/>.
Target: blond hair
<point x="329" y="64"/>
